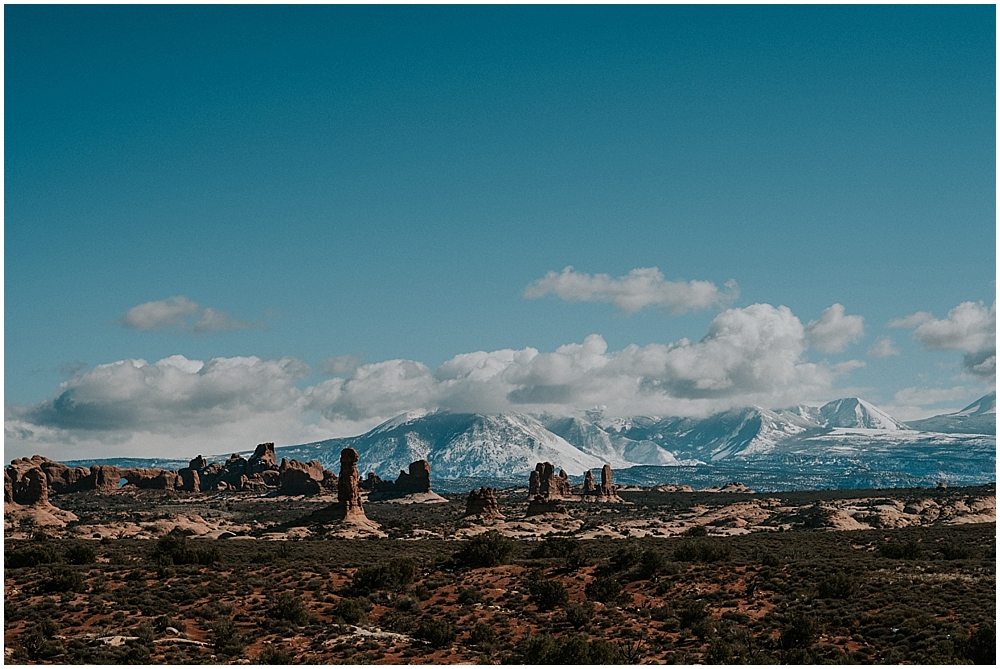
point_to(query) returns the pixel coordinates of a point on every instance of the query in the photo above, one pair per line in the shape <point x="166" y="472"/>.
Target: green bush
<point x="838" y="586"/>
<point x="226" y="638"/>
<point x="275" y="653"/>
<point x="80" y="554"/>
<point x="63" y="579"/>
<point x="32" y="556"/>
<point x="289" y="607"/>
<point x="176" y="550"/>
<point x="572" y="649"/>
<point x="489" y="549"/>
<point x="897" y="550"/>
<point x="437" y="633"/>
<point x="395" y="575"/>
<point x="800" y="632"/>
<point x="604" y="589"/>
<point x="981" y="645"/>
<point x="350" y="611"/>
<point x="547" y="595"/>
<point x="483" y="635"/>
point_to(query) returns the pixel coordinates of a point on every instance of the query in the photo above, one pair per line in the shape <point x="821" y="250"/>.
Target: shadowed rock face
<point x="604" y="492"/>
<point x="588" y="483"/>
<point x="540" y="505"/>
<point x="483" y="503"/>
<point x="545" y="482"/>
<point x="263" y="458"/>
<point x="298" y="482"/>
<point x="417" y="480"/>
<point x="348" y="506"/>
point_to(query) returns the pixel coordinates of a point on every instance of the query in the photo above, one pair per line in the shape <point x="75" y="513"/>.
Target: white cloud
<point x="835" y="330"/>
<point x="177" y="313"/>
<point x="213" y="320"/>
<point x="751" y="355"/>
<point x="640" y="288"/>
<point x="158" y="315"/>
<point x="911" y="321"/>
<point x="342" y="365"/>
<point x="923" y="396"/>
<point x="970" y="327"/>
<point x="884" y="347"/>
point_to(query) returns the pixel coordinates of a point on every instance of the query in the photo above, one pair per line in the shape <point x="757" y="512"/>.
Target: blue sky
<point x="332" y="203"/>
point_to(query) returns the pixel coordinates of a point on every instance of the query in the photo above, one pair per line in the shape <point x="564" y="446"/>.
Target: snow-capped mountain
<point x="455" y="445"/>
<point x="509" y="445"/>
<point x="980" y="417"/>
<point x="608" y="445"/>
<point x="854" y="412"/>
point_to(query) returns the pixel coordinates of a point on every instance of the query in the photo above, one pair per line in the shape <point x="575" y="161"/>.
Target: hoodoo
<point x="483" y="503"/>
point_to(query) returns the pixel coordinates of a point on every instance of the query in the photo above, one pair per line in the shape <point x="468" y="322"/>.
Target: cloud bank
<point x="835" y="330"/>
<point x="970" y="327"/>
<point x="750" y="355"/>
<point x="182" y="315"/>
<point x="640" y="288"/>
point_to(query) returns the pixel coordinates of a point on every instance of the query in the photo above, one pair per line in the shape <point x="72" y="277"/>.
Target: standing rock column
<point x="348" y="491"/>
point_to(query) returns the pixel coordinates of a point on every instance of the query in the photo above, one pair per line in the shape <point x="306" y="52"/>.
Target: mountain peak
<point x="984" y="405"/>
<point x="853" y="412"/>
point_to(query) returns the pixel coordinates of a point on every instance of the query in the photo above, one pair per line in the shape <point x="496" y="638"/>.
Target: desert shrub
<point x="176" y="550"/>
<point x="483" y="635"/>
<point x="954" y="551"/>
<point x="437" y="633"/>
<point x="800" y="632"/>
<point x="79" y="554"/>
<point x="692" y="612"/>
<point x="624" y="559"/>
<point x="395" y="575"/>
<point x="32" y="556"/>
<point x="567" y="548"/>
<point x="703" y="551"/>
<point x="580" y="615"/>
<point x="604" y="589"/>
<point x="226" y="638"/>
<point x="349" y="611"/>
<point x="838" y="586"/>
<point x="696" y="531"/>
<point x="275" y="653"/>
<point x="651" y="563"/>
<point x="545" y="594"/>
<point x="489" y="549"/>
<point x="289" y="607"/>
<point x="980" y="646"/>
<point x="63" y="579"/>
<point x="469" y="596"/>
<point x="572" y="649"/>
<point x="898" y="550"/>
<point x="719" y="652"/>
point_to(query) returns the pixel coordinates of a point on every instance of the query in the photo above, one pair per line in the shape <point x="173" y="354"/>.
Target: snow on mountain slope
<point x="980" y="417"/>
<point x="610" y="445"/>
<point x="455" y="445"/>
<point x="854" y="412"/>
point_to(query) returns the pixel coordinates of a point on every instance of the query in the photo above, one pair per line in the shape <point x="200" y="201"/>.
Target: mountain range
<point x="507" y="445"/>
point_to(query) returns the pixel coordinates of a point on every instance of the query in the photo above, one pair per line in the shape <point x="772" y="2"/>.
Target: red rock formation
<point x="199" y="463"/>
<point x="313" y="468"/>
<point x="106" y="478"/>
<point x="297" y="482"/>
<point x="348" y="506"/>
<point x="329" y="481"/>
<point x="152" y="479"/>
<point x="190" y="480"/>
<point x="416" y="481"/>
<point x="8" y="488"/>
<point x="540" y="505"/>
<point x="263" y="458"/>
<point x="588" y="483"/>
<point x="483" y="503"/>
<point x="545" y="482"/>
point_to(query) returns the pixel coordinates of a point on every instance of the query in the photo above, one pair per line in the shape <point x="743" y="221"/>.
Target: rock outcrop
<point x="298" y="482"/>
<point x="263" y="458"/>
<point x="416" y="481"/>
<point x="348" y="507"/>
<point x="602" y="493"/>
<point x="26" y="497"/>
<point x="483" y="503"/>
<point x="545" y="482"/>
<point x="540" y="505"/>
